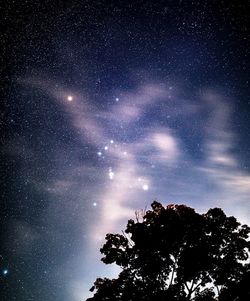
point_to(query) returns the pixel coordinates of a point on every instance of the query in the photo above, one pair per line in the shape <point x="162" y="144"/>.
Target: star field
<point x="108" y="106"/>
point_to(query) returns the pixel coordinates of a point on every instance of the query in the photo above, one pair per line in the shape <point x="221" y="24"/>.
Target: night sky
<point x="107" y="106"/>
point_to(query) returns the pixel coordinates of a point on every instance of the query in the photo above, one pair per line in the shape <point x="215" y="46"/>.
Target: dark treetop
<point x="174" y="253"/>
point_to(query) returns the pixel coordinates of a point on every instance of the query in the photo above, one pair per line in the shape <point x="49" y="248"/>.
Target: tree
<point x="174" y="253"/>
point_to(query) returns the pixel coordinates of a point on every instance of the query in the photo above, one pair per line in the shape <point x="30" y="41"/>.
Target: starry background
<point x="106" y="106"/>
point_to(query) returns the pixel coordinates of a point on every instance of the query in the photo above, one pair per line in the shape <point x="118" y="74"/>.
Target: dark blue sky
<point x="108" y="105"/>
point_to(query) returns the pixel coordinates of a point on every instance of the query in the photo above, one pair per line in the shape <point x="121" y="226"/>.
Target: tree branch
<point x="172" y="276"/>
<point x="188" y="289"/>
<point x="191" y="289"/>
<point x="173" y="269"/>
<point x="195" y="288"/>
<point x="218" y="289"/>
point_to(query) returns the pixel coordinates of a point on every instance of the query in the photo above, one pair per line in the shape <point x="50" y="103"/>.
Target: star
<point x="94" y="204"/>
<point x="70" y="98"/>
<point x="5" y="272"/>
<point x="145" y="187"/>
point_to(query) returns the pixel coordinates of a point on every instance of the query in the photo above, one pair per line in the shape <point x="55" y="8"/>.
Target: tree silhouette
<point x="174" y="253"/>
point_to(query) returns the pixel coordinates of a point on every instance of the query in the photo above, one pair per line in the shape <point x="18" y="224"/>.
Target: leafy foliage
<point x="174" y="253"/>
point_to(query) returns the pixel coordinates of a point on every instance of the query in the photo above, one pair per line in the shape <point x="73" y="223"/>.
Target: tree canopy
<point x="174" y="253"/>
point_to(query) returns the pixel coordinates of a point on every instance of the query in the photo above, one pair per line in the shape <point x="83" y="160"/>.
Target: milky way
<point x="107" y="108"/>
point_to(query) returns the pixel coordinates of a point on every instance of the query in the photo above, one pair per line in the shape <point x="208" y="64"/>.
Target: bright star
<point x="5" y="272"/>
<point x="106" y="147"/>
<point x="94" y="204"/>
<point x="116" y="99"/>
<point x="145" y="187"/>
<point x="70" y="98"/>
<point x="111" y="141"/>
<point x="99" y="154"/>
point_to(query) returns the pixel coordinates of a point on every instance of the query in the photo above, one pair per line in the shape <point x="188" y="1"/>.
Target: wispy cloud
<point x="136" y="159"/>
